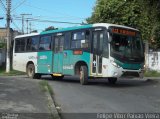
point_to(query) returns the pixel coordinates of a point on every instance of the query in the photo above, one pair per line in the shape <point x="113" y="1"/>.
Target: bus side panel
<point x="70" y="61"/>
<point x="20" y="60"/>
<point x="67" y="60"/>
<point x="105" y="67"/>
<point x="45" y="62"/>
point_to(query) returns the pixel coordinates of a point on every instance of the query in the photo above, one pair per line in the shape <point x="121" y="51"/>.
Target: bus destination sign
<point x="123" y="31"/>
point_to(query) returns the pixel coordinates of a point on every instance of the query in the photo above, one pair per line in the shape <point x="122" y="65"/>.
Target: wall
<point x="153" y="61"/>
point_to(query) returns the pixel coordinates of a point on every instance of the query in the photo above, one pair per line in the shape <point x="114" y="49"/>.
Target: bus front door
<point x="97" y="49"/>
<point x="58" y="54"/>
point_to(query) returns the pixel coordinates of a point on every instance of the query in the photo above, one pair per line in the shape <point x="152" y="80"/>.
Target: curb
<point x="51" y="105"/>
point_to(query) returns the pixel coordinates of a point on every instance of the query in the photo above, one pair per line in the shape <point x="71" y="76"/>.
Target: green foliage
<point x="2" y="45"/>
<point x="51" y="28"/>
<point x="141" y="14"/>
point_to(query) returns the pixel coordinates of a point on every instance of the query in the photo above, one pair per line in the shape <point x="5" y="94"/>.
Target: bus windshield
<point x="127" y="47"/>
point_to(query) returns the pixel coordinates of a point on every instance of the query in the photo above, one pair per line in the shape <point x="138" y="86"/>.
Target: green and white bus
<point x="99" y="50"/>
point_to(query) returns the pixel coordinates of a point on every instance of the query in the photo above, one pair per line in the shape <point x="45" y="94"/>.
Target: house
<point x="3" y="41"/>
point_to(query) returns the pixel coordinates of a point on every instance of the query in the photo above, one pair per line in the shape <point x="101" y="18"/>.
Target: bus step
<point x="55" y="74"/>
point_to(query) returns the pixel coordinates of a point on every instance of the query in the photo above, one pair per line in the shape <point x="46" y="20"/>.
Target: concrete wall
<point x="153" y="61"/>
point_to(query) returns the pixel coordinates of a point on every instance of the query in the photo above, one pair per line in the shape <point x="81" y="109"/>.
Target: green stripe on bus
<point x="67" y="29"/>
<point x="130" y="66"/>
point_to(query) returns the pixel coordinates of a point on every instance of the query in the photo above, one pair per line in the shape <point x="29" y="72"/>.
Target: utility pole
<point x="27" y="25"/>
<point x="8" y="3"/>
<point x="23" y="21"/>
<point x="30" y="27"/>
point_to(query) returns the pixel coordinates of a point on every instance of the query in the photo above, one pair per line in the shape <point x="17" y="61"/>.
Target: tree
<point x="141" y="14"/>
<point x="50" y="28"/>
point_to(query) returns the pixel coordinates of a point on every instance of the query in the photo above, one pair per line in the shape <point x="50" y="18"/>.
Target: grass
<point x="152" y="74"/>
<point x="46" y="87"/>
<point x="11" y="73"/>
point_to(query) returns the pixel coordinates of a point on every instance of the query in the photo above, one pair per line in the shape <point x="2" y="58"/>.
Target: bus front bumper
<point x="125" y="73"/>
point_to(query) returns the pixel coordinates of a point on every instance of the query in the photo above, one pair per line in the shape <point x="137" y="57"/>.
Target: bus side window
<point x="19" y="45"/>
<point x="61" y="45"/>
<point x="80" y="39"/>
<point x="28" y="47"/>
<point x="67" y="37"/>
<point x="45" y="43"/>
<point x="32" y="44"/>
<point x="86" y="43"/>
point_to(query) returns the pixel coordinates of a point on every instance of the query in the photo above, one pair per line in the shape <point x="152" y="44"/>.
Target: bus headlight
<point x="114" y="64"/>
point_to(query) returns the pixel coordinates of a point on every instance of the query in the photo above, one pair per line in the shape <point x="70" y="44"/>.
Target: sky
<point x="75" y="11"/>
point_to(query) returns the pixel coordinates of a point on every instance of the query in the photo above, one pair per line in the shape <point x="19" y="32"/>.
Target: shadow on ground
<point x="121" y="83"/>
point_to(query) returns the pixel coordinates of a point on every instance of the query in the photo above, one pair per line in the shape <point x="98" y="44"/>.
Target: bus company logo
<point x="65" y="54"/>
<point x="68" y="67"/>
<point x="43" y="57"/>
<point x="31" y="57"/>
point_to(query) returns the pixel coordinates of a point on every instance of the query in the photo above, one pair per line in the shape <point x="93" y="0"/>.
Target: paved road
<point x="22" y="98"/>
<point x="127" y="96"/>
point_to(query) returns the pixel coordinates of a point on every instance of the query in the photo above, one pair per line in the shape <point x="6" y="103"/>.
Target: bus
<point x="100" y="50"/>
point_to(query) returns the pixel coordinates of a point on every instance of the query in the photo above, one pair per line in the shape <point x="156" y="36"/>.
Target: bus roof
<point x="86" y="26"/>
<point x="107" y="25"/>
<point x="67" y="29"/>
<point x="27" y="35"/>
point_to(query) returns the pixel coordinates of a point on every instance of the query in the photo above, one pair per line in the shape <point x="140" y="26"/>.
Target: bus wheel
<point x="31" y="71"/>
<point x="112" y="80"/>
<point x="57" y="77"/>
<point x="83" y="75"/>
<point x="37" y="76"/>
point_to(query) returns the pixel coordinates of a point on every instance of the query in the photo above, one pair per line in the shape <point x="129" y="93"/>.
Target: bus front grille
<point x="130" y="74"/>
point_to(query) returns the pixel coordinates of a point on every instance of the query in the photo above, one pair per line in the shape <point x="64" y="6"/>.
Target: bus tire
<point x="57" y="77"/>
<point x="31" y="71"/>
<point x="112" y="80"/>
<point x="37" y="76"/>
<point x="83" y="75"/>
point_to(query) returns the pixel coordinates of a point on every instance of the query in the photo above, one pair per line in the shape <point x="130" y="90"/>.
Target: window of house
<point x="45" y="43"/>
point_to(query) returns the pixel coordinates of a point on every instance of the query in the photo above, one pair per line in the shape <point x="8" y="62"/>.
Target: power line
<point x="51" y="17"/>
<point x="3" y="5"/>
<point x="49" y="21"/>
<point x="16" y="25"/>
<point x="52" y="11"/>
<point x="18" y="5"/>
